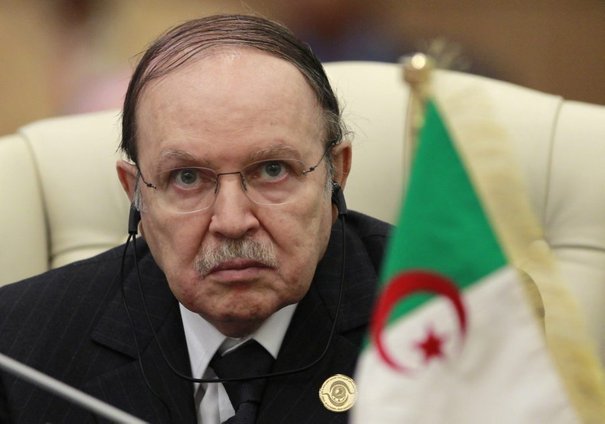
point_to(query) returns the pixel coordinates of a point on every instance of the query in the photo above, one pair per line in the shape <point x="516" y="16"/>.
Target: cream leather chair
<point x="60" y="199"/>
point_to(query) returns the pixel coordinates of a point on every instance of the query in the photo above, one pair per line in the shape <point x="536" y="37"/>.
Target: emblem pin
<point x="338" y="393"/>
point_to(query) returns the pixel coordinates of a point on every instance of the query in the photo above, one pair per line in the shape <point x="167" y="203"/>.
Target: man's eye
<point x="186" y="177"/>
<point x="273" y="170"/>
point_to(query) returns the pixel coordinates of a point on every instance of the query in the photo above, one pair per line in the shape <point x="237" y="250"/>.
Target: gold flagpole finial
<point x="417" y="70"/>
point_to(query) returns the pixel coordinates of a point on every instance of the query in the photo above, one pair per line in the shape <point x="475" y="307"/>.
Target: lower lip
<point x="237" y="275"/>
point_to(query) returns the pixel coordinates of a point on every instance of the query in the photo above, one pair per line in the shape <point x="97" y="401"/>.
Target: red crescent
<point x="402" y="285"/>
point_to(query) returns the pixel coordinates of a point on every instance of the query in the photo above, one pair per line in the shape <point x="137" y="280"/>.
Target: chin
<point x="234" y="325"/>
<point x="238" y="314"/>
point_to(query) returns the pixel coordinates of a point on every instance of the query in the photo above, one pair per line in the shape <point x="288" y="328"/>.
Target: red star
<point x="432" y="346"/>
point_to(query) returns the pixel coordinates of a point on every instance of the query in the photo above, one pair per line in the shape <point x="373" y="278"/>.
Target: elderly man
<point x="248" y="294"/>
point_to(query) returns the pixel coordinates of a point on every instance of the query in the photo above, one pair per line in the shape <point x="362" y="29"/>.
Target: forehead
<point x="226" y="103"/>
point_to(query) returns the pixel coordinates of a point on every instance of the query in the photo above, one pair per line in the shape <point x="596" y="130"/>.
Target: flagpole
<point x="417" y="70"/>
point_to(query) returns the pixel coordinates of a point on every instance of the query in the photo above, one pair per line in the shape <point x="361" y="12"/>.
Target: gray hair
<point x="183" y="43"/>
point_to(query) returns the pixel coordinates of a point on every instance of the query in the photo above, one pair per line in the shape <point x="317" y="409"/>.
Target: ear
<point x="342" y="156"/>
<point x="127" y="174"/>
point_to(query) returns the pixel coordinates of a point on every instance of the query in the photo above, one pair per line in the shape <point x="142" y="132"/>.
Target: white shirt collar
<point x="203" y="339"/>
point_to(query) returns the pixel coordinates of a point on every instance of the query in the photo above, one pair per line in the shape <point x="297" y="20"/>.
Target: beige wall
<point x="25" y="57"/>
<point x="556" y="46"/>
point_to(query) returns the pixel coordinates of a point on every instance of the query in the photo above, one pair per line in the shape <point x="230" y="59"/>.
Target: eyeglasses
<point x="267" y="182"/>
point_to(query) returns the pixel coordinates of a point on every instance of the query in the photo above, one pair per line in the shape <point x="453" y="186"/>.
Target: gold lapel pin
<point x="338" y="393"/>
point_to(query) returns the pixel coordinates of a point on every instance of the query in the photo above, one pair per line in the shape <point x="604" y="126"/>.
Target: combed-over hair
<point x="185" y="42"/>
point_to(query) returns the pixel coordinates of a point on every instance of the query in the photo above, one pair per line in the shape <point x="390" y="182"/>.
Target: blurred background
<point x="68" y="56"/>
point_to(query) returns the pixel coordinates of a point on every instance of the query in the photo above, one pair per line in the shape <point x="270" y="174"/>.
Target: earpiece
<point x="134" y="216"/>
<point x="338" y="198"/>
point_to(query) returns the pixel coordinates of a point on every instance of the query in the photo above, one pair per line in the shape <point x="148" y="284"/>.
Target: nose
<point x="232" y="212"/>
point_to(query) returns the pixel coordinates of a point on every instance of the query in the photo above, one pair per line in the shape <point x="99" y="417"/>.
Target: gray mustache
<point x="211" y="257"/>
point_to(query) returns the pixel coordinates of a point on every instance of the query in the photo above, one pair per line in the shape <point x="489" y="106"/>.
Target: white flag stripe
<point x="502" y="374"/>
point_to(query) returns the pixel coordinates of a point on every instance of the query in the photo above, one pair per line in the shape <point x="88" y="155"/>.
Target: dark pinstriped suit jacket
<point x="72" y="323"/>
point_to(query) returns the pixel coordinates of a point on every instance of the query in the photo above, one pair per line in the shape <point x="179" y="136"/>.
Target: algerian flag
<point x="458" y="334"/>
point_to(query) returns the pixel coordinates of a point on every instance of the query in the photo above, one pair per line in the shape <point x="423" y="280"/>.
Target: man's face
<point x="221" y="112"/>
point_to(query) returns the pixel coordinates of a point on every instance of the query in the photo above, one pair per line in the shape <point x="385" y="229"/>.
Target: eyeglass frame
<point x="217" y="176"/>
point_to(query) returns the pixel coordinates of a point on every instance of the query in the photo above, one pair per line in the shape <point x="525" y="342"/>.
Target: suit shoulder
<point x="372" y="232"/>
<point x="367" y="226"/>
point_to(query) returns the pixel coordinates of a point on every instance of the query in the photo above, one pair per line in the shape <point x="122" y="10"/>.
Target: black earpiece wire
<point x="251" y="377"/>
<point x="132" y="236"/>
<point x="133" y="221"/>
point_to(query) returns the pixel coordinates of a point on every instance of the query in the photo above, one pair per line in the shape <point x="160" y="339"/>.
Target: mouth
<point x="238" y="270"/>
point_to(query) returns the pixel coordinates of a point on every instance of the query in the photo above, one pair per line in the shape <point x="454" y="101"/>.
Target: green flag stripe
<point x="442" y="226"/>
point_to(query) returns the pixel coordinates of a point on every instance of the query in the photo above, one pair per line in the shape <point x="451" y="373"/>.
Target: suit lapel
<point x="295" y="398"/>
<point x="170" y="398"/>
<point x="292" y="398"/>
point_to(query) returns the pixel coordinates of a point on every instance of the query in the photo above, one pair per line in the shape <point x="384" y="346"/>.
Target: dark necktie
<point x="250" y="359"/>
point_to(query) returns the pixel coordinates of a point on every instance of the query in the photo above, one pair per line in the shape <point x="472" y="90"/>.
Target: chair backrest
<point x="60" y="199"/>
